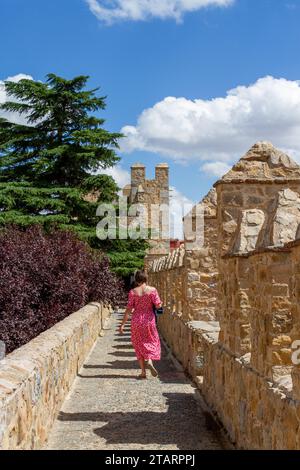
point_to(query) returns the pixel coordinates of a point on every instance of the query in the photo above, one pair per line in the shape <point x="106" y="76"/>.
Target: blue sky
<point x="177" y="65"/>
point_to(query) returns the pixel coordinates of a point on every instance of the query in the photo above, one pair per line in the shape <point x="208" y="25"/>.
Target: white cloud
<point x="121" y="176"/>
<point x="18" y="77"/>
<point x="111" y="11"/>
<point x="180" y="205"/>
<point x="215" y="168"/>
<point x="13" y="117"/>
<point x="221" y="129"/>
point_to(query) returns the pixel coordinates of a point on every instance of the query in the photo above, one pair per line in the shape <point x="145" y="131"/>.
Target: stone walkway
<point x="109" y="409"/>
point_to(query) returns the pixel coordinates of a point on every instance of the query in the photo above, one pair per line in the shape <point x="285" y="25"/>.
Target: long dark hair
<point x="140" y="278"/>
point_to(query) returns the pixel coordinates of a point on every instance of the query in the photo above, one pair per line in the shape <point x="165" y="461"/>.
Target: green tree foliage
<point x="62" y="143"/>
<point x="126" y="256"/>
<point x="50" y="168"/>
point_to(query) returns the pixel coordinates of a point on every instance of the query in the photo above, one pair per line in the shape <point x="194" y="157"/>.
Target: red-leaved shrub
<point x="46" y="277"/>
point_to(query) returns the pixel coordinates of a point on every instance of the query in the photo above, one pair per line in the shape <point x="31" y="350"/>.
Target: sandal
<point x="142" y="377"/>
<point x="152" y="369"/>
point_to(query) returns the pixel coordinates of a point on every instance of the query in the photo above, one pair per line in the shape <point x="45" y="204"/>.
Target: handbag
<point x="158" y="311"/>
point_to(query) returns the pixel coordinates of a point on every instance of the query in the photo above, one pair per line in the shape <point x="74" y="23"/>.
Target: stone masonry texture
<point x="149" y="193"/>
<point x="109" y="409"/>
<point x="36" y="378"/>
<point x="231" y="317"/>
<point x="232" y="307"/>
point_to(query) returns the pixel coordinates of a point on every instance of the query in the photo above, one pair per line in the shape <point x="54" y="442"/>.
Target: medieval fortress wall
<point x="36" y="378"/>
<point x="152" y="195"/>
<point x="232" y="307"/>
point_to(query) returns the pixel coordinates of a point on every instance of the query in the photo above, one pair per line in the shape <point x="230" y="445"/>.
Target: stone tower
<point x="149" y="193"/>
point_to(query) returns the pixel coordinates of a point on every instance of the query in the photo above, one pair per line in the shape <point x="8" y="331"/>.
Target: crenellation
<point x="240" y="297"/>
<point x="138" y="175"/>
<point x="153" y="195"/>
<point x="231" y="311"/>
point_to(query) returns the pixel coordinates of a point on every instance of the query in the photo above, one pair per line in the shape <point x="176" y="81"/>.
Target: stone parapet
<point x="237" y="332"/>
<point x="258" y="413"/>
<point x="36" y="378"/>
<point x="243" y="363"/>
<point x="189" y="275"/>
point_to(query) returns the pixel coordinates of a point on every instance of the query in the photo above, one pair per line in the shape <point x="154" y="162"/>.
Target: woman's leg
<point x="150" y="366"/>
<point x="142" y="366"/>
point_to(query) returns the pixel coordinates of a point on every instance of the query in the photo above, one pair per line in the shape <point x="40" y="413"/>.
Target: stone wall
<point x="188" y="282"/>
<point x="240" y="355"/>
<point x="36" y="378"/>
<point x="149" y="193"/>
<point x="200" y="260"/>
<point x="249" y="378"/>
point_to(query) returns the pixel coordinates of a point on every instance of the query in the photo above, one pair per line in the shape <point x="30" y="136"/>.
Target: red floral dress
<point x="144" y="335"/>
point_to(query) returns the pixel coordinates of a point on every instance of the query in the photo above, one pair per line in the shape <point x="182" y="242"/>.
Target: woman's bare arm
<point x="128" y="312"/>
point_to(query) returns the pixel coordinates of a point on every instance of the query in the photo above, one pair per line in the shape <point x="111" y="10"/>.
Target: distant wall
<point x="243" y="365"/>
<point x="36" y="378"/>
<point x="187" y="281"/>
<point x="149" y="193"/>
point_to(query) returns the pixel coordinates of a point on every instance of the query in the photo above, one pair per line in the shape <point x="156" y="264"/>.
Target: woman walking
<point x="144" y="335"/>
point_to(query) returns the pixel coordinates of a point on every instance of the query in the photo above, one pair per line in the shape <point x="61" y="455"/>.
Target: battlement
<point x="232" y="314"/>
<point x="150" y="192"/>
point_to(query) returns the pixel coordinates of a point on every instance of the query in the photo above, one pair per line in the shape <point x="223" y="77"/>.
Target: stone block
<point x="193" y="276"/>
<point x="36" y="378"/>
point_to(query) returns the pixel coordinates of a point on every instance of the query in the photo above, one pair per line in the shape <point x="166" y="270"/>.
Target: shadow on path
<point x="108" y="408"/>
<point x="150" y="427"/>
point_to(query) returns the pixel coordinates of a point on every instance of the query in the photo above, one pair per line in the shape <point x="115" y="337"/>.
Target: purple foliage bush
<point x="46" y="277"/>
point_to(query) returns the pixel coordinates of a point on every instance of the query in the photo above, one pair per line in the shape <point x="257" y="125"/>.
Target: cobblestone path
<point x="109" y="409"/>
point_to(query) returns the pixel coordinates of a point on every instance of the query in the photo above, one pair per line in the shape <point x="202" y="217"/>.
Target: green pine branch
<point x="50" y="168"/>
